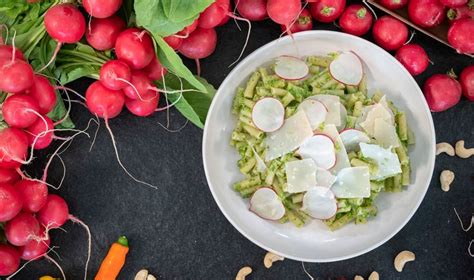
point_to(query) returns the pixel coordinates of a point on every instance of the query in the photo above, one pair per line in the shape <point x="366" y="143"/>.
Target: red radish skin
<point x="101" y="8"/>
<point x="327" y="10"/>
<point x="43" y="92"/>
<point x="40" y="133"/>
<point x="356" y="20"/>
<point x="33" y="194"/>
<point x="103" y="32"/>
<point x="10" y="259"/>
<point x="17" y="75"/>
<point x="200" y="44"/>
<point x="6" y="52"/>
<point x="414" y="58"/>
<point x="155" y="70"/>
<point x="254" y="10"/>
<point x="393" y="4"/>
<point x="174" y="42"/>
<point x="112" y="74"/>
<point x="142" y="108"/>
<point x="454" y="14"/>
<point x="303" y="23"/>
<point x="466" y="79"/>
<point x="54" y="213"/>
<point x="283" y="11"/>
<point x="65" y="23"/>
<point x="453" y="3"/>
<point x="389" y="33"/>
<point x="8" y="176"/>
<point x="426" y="13"/>
<point x="214" y="15"/>
<point x="104" y="102"/>
<point x="189" y="29"/>
<point x="19" y="110"/>
<point x="460" y="35"/>
<point x="13" y="147"/>
<point x="441" y="92"/>
<point x="21" y="229"/>
<point x="34" y="249"/>
<point x="135" y="47"/>
<point x="143" y="88"/>
<point x="10" y="202"/>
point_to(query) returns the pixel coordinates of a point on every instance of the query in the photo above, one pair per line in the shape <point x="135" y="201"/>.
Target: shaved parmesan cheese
<point x="289" y="137"/>
<point x="385" y="134"/>
<point x="261" y="166"/>
<point x="342" y="160"/>
<point x="324" y="178"/>
<point x="352" y="182"/>
<point x="333" y="105"/>
<point x="315" y="111"/>
<point x="387" y="162"/>
<point x="377" y="111"/>
<point x="319" y="203"/>
<point x="300" y="175"/>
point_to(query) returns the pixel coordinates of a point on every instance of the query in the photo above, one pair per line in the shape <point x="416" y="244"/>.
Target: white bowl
<point x="314" y="242"/>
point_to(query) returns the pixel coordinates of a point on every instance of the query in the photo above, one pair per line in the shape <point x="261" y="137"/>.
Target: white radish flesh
<point x="291" y="68"/>
<point x="321" y="149"/>
<point x="320" y="203"/>
<point x="324" y="178"/>
<point x="268" y="114"/>
<point x="315" y="112"/>
<point x="333" y="105"/>
<point x="352" y="138"/>
<point x="347" y="69"/>
<point x="267" y="205"/>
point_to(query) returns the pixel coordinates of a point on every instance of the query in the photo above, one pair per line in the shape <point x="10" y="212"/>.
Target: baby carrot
<point x="114" y="261"/>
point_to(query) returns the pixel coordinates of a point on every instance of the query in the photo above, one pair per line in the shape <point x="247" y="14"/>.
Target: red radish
<point x="20" y="110"/>
<point x="21" y="229"/>
<point x="467" y="82"/>
<point x="8" y="176"/>
<point x="315" y="111"/>
<point x="34" y="194"/>
<point x="13" y="147"/>
<point x="10" y="259"/>
<point x="43" y="92"/>
<point x="6" y="52"/>
<point x="453" y="3"/>
<point x="393" y="4"/>
<point x="10" y="202"/>
<point x="454" y="14"/>
<point x="414" y="58"/>
<point x="104" y="102"/>
<point x="291" y="68"/>
<point x="303" y="23"/>
<point x="356" y="20"/>
<point x="65" y="24"/>
<point x="390" y="33"/>
<point x="227" y="17"/>
<point x="320" y="203"/>
<point x="101" y="8"/>
<point x="214" y="15"/>
<point x="254" y="10"/>
<point x="200" y="44"/>
<point x="268" y="114"/>
<point x="142" y="108"/>
<point x="189" y="29"/>
<point x="441" y="92"/>
<point x="351" y="138"/>
<point x="174" y="42"/>
<point x="40" y="133"/>
<point x="113" y="73"/>
<point x="17" y="75"/>
<point x="54" y="213"/>
<point x="135" y="47"/>
<point x="321" y="149"/>
<point x="142" y="89"/>
<point x="155" y="70"/>
<point x="283" y="12"/>
<point x="347" y="68"/>
<point x="35" y="248"/>
<point x="426" y="13"/>
<point x="460" y="35"/>
<point x="327" y="10"/>
<point x="266" y="204"/>
<point x="103" y="32"/>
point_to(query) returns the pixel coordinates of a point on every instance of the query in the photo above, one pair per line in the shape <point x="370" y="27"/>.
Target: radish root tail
<point x="246" y="39"/>
<point x="56" y="264"/>
<point x="28" y="262"/>
<point x="53" y="58"/>
<point x="89" y="241"/>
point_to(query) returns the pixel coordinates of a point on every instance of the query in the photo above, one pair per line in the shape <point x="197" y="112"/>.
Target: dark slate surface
<point x="178" y="231"/>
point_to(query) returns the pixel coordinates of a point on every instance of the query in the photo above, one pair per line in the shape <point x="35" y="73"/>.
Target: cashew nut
<point x="144" y="275"/>
<point x="270" y="258"/>
<point x="243" y="272"/>
<point x="444" y="148"/>
<point x="462" y="152"/>
<point x="358" y="277"/>
<point x="446" y="178"/>
<point x="402" y="258"/>
<point x="374" y="276"/>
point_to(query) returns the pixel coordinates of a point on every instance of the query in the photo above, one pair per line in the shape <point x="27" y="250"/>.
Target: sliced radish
<point x="333" y="104"/>
<point x="268" y="114"/>
<point x="352" y="138"/>
<point x="291" y="68"/>
<point x="347" y="69"/>
<point x="315" y="112"/>
<point x="324" y="178"/>
<point x="320" y="203"/>
<point x="343" y="113"/>
<point x="266" y="204"/>
<point x="321" y="149"/>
